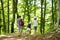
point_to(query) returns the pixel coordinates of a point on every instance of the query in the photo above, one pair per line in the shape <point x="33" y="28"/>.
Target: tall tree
<point x="55" y="11"/>
<point x="44" y="16"/>
<point x="41" y="27"/>
<point x="8" y="16"/>
<point x="0" y="21"/>
<point x="4" y="24"/>
<point x="58" y="19"/>
<point x="14" y="12"/>
<point x="52" y="14"/>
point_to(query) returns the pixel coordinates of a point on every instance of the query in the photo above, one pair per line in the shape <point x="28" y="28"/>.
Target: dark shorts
<point x="35" y="27"/>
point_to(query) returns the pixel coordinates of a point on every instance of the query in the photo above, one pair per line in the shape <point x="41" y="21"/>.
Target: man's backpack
<point x="21" y="23"/>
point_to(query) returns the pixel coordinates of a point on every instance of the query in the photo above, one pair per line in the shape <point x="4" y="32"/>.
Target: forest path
<point x="54" y="35"/>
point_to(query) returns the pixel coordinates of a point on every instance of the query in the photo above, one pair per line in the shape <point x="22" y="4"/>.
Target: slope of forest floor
<point x="54" y="35"/>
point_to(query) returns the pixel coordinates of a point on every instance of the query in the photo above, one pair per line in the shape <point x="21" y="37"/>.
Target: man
<point x="18" y="23"/>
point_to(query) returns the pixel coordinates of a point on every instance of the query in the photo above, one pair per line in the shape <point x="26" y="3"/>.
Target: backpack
<point x="21" y="23"/>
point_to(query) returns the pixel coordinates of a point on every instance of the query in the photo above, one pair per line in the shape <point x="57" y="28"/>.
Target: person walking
<point x="18" y="23"/>
<point x="35" y="25"/>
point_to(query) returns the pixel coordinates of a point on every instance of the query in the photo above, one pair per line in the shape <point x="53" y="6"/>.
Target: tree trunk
<point x="3" y="16"/>
<point x="0" y="21"/>
<point x="41" y="27"/>
<point x="44" y="17"/>
<point x="8" y="16"/>
<point x="14" y="12"/>
<point x="55" y="11"/>
<point x="58" y="19"/>
<point x="52" y="14"/>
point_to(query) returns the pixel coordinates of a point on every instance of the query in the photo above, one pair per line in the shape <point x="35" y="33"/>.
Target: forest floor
<point x="54" y="35"/>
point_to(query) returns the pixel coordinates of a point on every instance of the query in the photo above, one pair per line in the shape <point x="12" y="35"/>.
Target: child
<point x="29" y="27"/>
<point x="35" y="25"/>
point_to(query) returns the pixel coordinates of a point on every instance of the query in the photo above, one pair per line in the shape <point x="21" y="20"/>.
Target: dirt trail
<point x="54" y="36"/>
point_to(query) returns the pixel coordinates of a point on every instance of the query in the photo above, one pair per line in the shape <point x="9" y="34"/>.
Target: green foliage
<point x="28" y="9"/>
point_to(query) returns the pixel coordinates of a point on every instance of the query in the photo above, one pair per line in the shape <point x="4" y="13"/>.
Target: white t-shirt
<point x="35" y="23"/>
